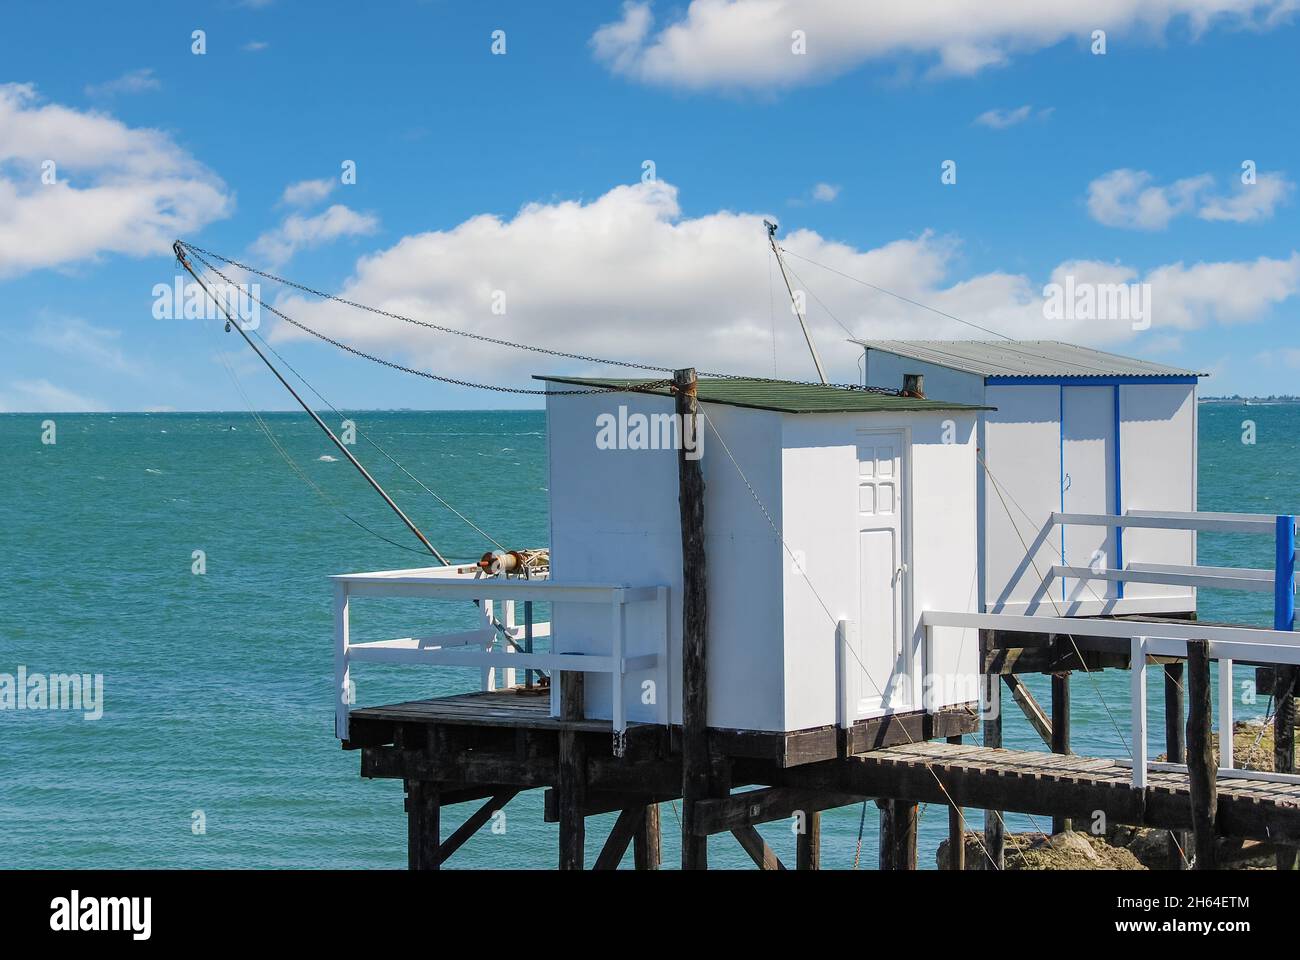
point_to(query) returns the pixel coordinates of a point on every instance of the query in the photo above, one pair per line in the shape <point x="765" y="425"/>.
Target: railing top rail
<point x="1122" y="629"/>
<point x="1265" y="524"/>
<point x="447" y="583"/>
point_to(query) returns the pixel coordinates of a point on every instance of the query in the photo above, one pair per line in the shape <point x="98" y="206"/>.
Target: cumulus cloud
<point x="305" y="193"/>
<point x="998" y="119"/>
<point x="137" y="81"/>
<point x="627" y="276"/>
<point x="1131" y="199"/>
<point x="1249" y="202"/>
<point x="825" y="192"/>
<point x="748" y="44"/>
<point x="297" y="232"/>
<point x="115" y="189"/>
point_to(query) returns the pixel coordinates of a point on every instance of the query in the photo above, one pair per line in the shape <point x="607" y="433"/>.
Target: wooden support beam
<point x="1200" y="755"/>
<point x="808" y="843"/>
<point x="897" y="834"/>
<point x="956" y="831"/>
<point x="1286" y="679"/>
<point x="422" y="829"/>
<point x="757" y="849"/>
<point x="994" y="829"/>
<point x="647" y="852"/>
<point x="473" y="823"/>
<point x="1030" y="707"/>
<point x="620" y="835"/>
<point x="721" y="814"/>
<point x="571" y="774"/>
<point x="696" y="774"/>
<point x="1180" y="853"/>
<point x="1060" y="740"/>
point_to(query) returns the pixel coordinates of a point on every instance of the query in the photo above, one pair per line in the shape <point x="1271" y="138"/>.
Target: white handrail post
<point x="618" y="710"/>
<point x="508" y="673"/>
<point x="488" y="674"/>
<point x="1138" y="680"/>
<point x="845" y="635"/>
<point x="1225" y="713"/>
<point x="342" y="671"/>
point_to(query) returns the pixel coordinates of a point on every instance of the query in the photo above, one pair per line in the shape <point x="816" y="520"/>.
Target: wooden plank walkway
<point x="1046" y="784"/>
<point x="501" y="708"/>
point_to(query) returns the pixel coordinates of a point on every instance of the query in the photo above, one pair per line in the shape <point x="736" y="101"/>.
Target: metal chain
<point x="200" y="254"/>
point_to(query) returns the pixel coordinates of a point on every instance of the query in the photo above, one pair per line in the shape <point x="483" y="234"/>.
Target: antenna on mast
<point x="803" y="324"/>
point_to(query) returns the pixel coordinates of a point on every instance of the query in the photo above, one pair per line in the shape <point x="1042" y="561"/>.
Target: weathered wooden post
<point x="696" y="774"/>
<point x="897" y="834"/>
<point x="422" y="825"/>
<point x="646" y="850"/>
<point x="571" y="774"/>
<point x="1175" y="751"/>
<point x="1061" y="733"/>
<point x="994" y="828"/>
<point x="808" y="844"/>
<point x="956" y="830"/>
<point x="1284" y="676"/>
<point x="1201" y="772"/>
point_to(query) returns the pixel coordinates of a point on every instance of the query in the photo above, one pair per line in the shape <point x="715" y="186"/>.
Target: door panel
<point x="883" y="678"/>
<point x="1088" y="485"/>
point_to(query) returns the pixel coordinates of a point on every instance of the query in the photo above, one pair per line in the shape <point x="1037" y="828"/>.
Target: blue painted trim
<point x="1101" y="381"/>
<point x="1061" y="395"/>
<point x="1284" y="575"/>
<point x="1119" y="501"/>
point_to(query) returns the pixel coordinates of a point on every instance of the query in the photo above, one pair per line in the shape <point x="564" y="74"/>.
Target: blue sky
<point x="522" y="173"/>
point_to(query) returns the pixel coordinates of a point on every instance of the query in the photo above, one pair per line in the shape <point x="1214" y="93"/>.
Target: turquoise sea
<point x="218" y="686"/>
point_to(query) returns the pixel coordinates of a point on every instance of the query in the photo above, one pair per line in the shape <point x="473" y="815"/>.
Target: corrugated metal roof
<point x="1024" y="358"/>
<point x="785" y="397"/>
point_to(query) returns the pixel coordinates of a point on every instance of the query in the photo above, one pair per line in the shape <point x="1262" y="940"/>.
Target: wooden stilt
<point x="994" y="829"/>
<point x="1284" y="689"/>
<point x="422" y="829"/>
<point x="808" y="844"/>
<point x="570" y="787"/>
<point x="1176" y="752"/>
<point x="696" y="773"/>
<point x="646" y="850"/>
<point x="1200" y="755"/>
<point x="956" y="831"/>
<point x="1061" y="733"/>
<point x="897" y="834"/>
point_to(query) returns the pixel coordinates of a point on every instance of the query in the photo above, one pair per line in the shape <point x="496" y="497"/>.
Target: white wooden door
<point x="884" y="671"/>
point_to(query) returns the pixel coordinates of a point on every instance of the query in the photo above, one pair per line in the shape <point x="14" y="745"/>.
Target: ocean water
<point x="218" y="686"/>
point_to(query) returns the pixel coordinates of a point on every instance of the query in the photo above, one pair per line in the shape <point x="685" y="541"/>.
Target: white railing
<point x="1226" y="644"/>
<point x="500" y="645"/>
<point x="1225" y="651"/>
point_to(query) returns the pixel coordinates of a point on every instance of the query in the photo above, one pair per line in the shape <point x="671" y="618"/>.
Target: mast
<point x="232" y="323"/>
<point x="803" y="324"/>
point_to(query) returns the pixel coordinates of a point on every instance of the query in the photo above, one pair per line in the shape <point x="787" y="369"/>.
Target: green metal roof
<point x="782" y="396"/>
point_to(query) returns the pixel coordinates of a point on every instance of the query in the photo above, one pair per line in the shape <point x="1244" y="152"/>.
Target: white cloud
<point x="1248" y="202"/>
<point x="255" y="46"/>
<point x="305" y="193"/>
<point x="1131" y="199"/>
<point x="746" y="44"/>
<point x="119" y="189"/>
<point x="75" y="337"/>
<point x="825" y="192"/>
<point x="998" y="119"/>
<point x="137" y="81"/>
<point x="41" y="396"/>
<point x="627" y="276"/>
<point x="297" y="232"/>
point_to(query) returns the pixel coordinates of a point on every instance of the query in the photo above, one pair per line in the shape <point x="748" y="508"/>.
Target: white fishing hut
<point x="871" y="496"/>
<point x="1075" y="434"/>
